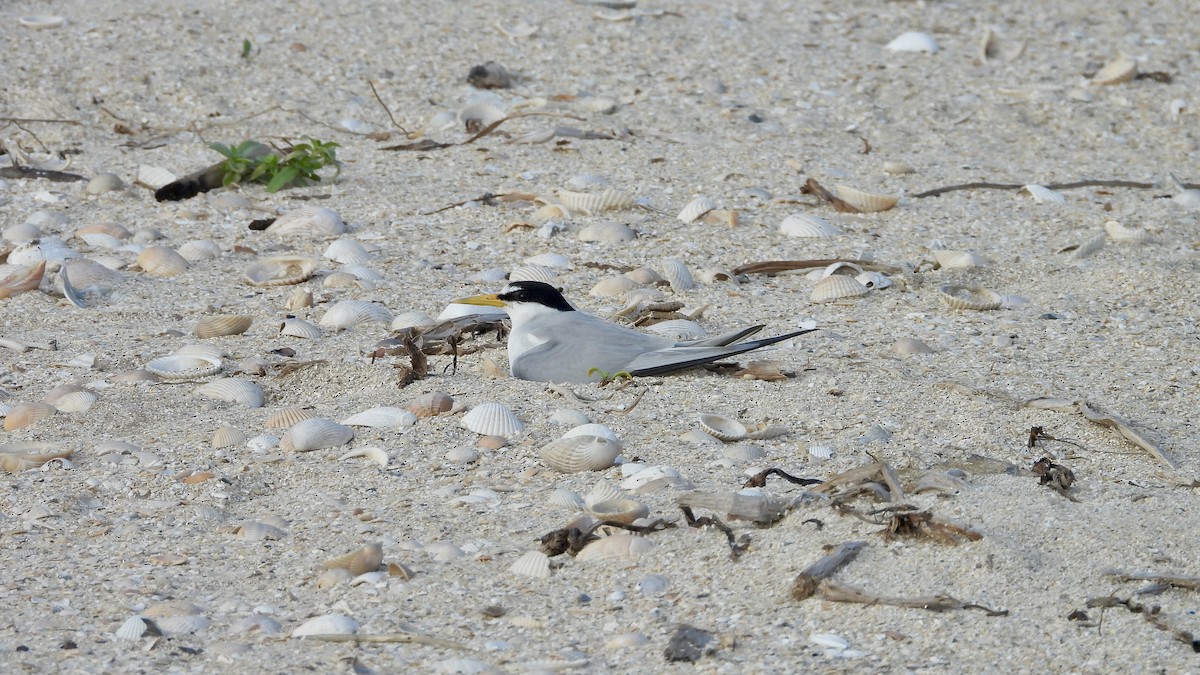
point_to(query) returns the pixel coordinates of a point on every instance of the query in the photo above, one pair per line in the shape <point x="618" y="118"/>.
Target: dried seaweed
<point x="809" y="580"/>
<point x="777" y="266"/>
<point x="1150" y="613"/>
<point x="1052" y="186"/>
<point x="1177" y="580"/>
<point x="1114" y="422"/>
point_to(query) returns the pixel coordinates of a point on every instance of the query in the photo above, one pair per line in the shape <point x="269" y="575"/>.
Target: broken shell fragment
<point x="1122" y="68"/>
<point x="365" y="559"/>
<point x="721" y="427"/>
<point x="1121" y="234"/>
<point x="282" y="270"/>
<point x="1043" y="195"/>
<point x="222" y="324"/>
<point x="234" y="390"/>
<point x="970" y="297"/>
<point x="17" y="457"/>
<point x="580" y="453"/>
<point x="492" y="419"/>
<point x="382" y="417"/>
<point x="374" y="454"/>
<point x="911" y="346"/>
<point x="315" y="434"/>
<point x="913" y="41"/>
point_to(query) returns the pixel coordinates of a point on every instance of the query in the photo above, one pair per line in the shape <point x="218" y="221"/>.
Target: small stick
<point x="807" y="582"/>
<point x="760" y="479"/>
<point x="1178" y="580"/>
<point x="388" y="638"/>
<point x="385" y="108"/>
<point x="735" y="549"/>
<point x="1053" y="186"/>
<point x="838" y="592"/>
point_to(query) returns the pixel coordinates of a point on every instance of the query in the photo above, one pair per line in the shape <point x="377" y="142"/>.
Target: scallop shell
<point x="288" y="417"/>
<point x="183" y="624"/>
<point x="1119" y="233"/>
<point x="1089" y="247"/>
<point x="837" y="287"/>
<point x="820" y="452"/>
<point x="619" y="510"/>
<point x="227" y="436"/>
<point x="349" y="313"/>
<point x="580" y="453"/>
<point x="645" y="276"/>
<point x="135" y="627"/>
<point x="382" y="417"/>
<point x="75" y="401"/>
<point x="22" y="233"/>
<point x="678" y="329"/>
<point x="198" y="250"/>
<point x="805" y="225"/>
<point x="611" y="287"/>
<point x="234" y="390"/>
<point x="299" y="328"/>
<point x="743" y="453"/>
<point x="533" y="273"/>
<point x="607" y="233"/>
<point x="569" y="416"/>
<point x="347" y="252"/>
<point x="677" y="274"/>
<point x="365" y="559"/>
<point x="866" y="202"/>
<point x="913" y="41"/>
<point x="565" y="498"/>
<point x="161" y="261"/>
<point x="222" y="324"/>
<point x="762" y="431"/>
<point x="555" y="260"/>
<point x="315" y="434"/>
<point x="258" y="531"/>
<point x="970" y="297"/>
<point x="25" y="415"/>
<point x="1043" y="195"/>
<point x="590" y="202"/>
<point x="1122" y="68"/>
<point x="309" y="221"/>
<point x="362" y="273"/>
<point x="280" y="271"/>
<point x="898" y="167"/>
<point x="696" y="208"/>
<point x="299" y="299"/>
<point x="111" y="229"/>
<point x="959" y="259"/>
<point x="616" y="547"/>
<point x="492" y="419"/>
<point x="593" y="429"/>
<point x="431" y="404"/>
<point x="21" y="280"/>
<point x="375" y="454"/>
<point x="328" y="624"/>
<point x="911" y="346"/>
<point x="603" y="491"/>
<point x="533" y="564"/>
<point x="721" y="427"/>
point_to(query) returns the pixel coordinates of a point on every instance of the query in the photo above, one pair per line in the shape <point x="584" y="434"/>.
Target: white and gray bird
<point x="551" y="341"/>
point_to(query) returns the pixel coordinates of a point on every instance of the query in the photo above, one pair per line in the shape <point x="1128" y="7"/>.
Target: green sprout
<point x="253" y="162"/>
<point x="246" y="47"/>
<point x="606" y="377"/>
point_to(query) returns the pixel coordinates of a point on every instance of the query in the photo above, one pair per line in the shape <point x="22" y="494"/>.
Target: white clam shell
<point x="308" y="221"/>
<point x="258" y="531"/>
<point x="597" y="202"/>
<point x="183" y="625"/>
<point x="696" y="208"/>
<point x="743" y="453"/>
<point x="22" y="233"/>
<point x="285" y="418"/>
<point x="580" y="453"/>
<point x="347" y="252"/>
<point x="328" y="624"/>
<point x="381" y="417"/>
<point x="134" y="628"/>
<point x="644" y="275"/>
<point x="555" y="260"/>
<point x="677" y="274"/>
<point x="820" y="451"/>
<point x="154" y="177"/>
<point x="607" y="232"/>
<point x="837" y="287"/>
<point x="959" y="259"/>
<point x="911" y="346"/>
<point x="913" y="41"/>
<point x="227" y="436"/>
<point x="315" y="434"/>
<point x="721" y="427"/>
<point x="221" y="325"/>
<point x="611" y="287"/>
<point x="349" y="313"/>
<point x="492" y="419"/>
<point x="866" y="202"/>
<point x="299" y="328"/>
<point x="533" y="564"/>
<point x="616" y="547"/>
<point x="593" y="429"/>
<point x="162" y="261"/>
<point x="533" y="273"/>
<point x="1043" y="195"/>
<point x="75" y="401"/>
<point x="280" y="271"/>
<point x="199" y="250"/>
<point x="970" y="297"/>
<point x="618" y="510"/>
<point x="804" y="225"/>
<point x="361" y="272"/>
<point x="569" y="416"/>
<point x="184" y="366"/>
<point x="234" y="390"/>
<point x="603" y="491"/>
<point x="567" y="499"/>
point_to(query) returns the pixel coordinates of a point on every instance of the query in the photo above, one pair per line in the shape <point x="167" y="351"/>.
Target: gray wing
<point x="723" y="339"/>
<point x="573" y="343"/>
<point x="672" y="359"/>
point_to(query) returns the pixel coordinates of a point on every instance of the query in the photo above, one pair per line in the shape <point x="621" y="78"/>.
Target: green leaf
<point x="281" y="179"/>
<point x="246" y="47"/>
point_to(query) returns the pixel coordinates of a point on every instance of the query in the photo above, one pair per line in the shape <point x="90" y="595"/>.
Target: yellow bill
<point x="487" y="300"/>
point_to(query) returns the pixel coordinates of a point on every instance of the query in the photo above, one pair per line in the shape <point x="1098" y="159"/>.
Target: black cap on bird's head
<point x="529" y="292"/>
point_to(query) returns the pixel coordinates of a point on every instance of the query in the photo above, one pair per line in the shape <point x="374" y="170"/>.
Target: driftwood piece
<point x="1177" y="580"/>
<point x="1114" y="422"/>
<point x="809" y="580"/>
<point x="838" y="592"/>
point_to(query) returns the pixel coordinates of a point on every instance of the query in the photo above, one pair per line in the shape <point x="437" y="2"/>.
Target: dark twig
<point x="385" y="108"/>
<point x="760" y="479"/>
<point x="1053" y="186"/>
<point x="736" y="548"/>
<point x="809" y="580"/>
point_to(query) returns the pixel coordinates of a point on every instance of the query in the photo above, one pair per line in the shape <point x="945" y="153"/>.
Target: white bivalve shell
<point x="721" y="427"/>
<point x="866" y="202"/>
<point x="611" y="287"/>
<point x="696" y="208"/>
<point x="413" y="319"/>
<point x="1123" y="68"/>
<point x="970" y="297"/>
<point x="913" y="41"/>
<point x="607" y="233"/>
<point x="803" y="225"/>
<point x="555" y="260"/>
<point x="533" y="564"/>
<point x="299" y="328"/>
<point x="347" y="252"/>
<point x="309" y="221"/>
<point x="837" y="287"/>
<point x="280" y="271"/>
<point x="349" y="313"/>
<point x="959" y="259"/>
<point x="580" y="453"/>
<point x="492" y="419"/>
<point x="1043" y="195"/>
<point x="328" y="624"/>
<point x="382" y="417"/>
<point x="221" y="325"/>
<point x="874" y="280"/>
<point x="540" y="273"/>
<point x="315" y="434"/>
<point x="184" y="366"/>
<point x="161" y="261"/>
<point x="234" y="390"/>
<point x="677" y="274"/>
<point x="199" y="250"/>
<point x="593" y="429"/>
<point x="587" y="202"/>
<point x="616" y="547"/>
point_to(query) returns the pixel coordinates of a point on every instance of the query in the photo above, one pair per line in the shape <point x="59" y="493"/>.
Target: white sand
<point x="80" y="544"/>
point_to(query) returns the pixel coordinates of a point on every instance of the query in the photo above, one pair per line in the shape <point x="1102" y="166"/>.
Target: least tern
<point x="551" y="341"/>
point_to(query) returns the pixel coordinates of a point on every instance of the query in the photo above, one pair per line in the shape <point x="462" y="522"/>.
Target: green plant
<point x="253" y="162"/>
<point x="246" y="47"/>
<point x="606" y="377"/>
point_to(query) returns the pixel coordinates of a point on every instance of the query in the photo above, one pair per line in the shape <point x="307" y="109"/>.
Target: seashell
<point x="555" y="260"/>
<point x="959" y="259"/>
<point x="592" y="202"/>
<point x="227" y="436"/>
<point x="288" y="417"/>
<point x="721" y="427"/>
<point x="1043" y="195"/>
<point x="898" y="168"/>
<point x="17" y="457"/>
<point x="623" y="511"/>
<point x="611" y="287"/>
<point x="349" y="313"/>
<point x="280" y="271"/>
<point x="911" y="346"/>
<point x="743" y="453"/>
<point x="483" y="113"/>
<point x="342" y="280"/>
<point x="603" y="491"/>
<point x="551" y="212"/>
<point x="25" y="415"/>
<point x="21" y="280"/>
<point x="462" y="455"/>
<point x="727" y="217"/>
<point x="837" y="287"/>
<point x="154" y="177"/>
<point x="627" y="640"/>
<point x="258" y="531"/>
<point x="308" y="221"/>
<point x="382" y="417"/>
<point x="1122" y="68"/>
<point x="585" y="181"/>
<point x="762" y="431"/>
<point x="365" y="559"/>
<point x="75" y="401"/>
<point x="874" y="280"/>
<point x="696" y="208"/>
<point x="362" y="273"/>
<point x="347" y="252"/>
<point x="644" y="276"/>
<point x="533" y="564"/>
<point x="185" y="624"/>
<point x="299" y="328"/>
<point x="333" y="577"/>
<point x="677" y="274"/>
<point x="580" y="453"/>
<point x="568" y="416"/>
<point x="492" y="442"/>
<point x="328" y="624"/>
<point x="375" y="454"/>
<point x="22" y="233"/>
<point x="234" y="390"/>
<point x="299" y="299"/>
<point x="697" y="437"/>
<point x="865" y="202"/>
<point x="256" y="623"/>
<point x="200" y="249"/>
<point x="970" y="297"/>
<point x="414" y="319"/>
<point x="533" y="273"/>
<point x="805" y="225"/>
<point x="1089" y="247"/>
<point x="315" y="434"/>
<point x="1119" y="233"/>
<point x="678" y="329"/>
<point x="616" y="547"/>
<point x="97" y="240"/>
<point x="49" y="249"/>
<point x="607" y="233"/>
<point x="492" y="419"/>
<point x="262" y="443"/>
<point x="591" y="429"/>
<point x="913" y="41"/>
<point x="222" y="324"/>
<point x="161" y="261"/>
<point x="565" y="498"/>
<point x="135" y="627"/>
<point x="40" y="21"/>
<point x="820" y="452"/>
<point x="111" y="229"/>
<point x="431" y="404"/>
